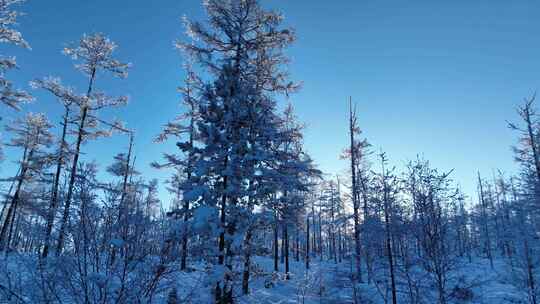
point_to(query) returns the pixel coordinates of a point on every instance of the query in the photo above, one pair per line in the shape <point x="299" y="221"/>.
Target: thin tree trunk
<point x="530" y="272"/>
<point x="183" y="259"/>
<point x="366" y="216"/>
<point x="307" y="242"/>
<point x="389" y="236"/>
<point x="286" y="247"/>
<point x="276" y="249"/>
<point x="15" y="200"/>
<point x="5" y="206"/>
<point x="297" y="245"/>
<point x="340" y="246"/>
<point x="11" y="224"/>
<point x="80" y="134"/>
<point x="321" y="241"/>
<point x="56" y="186"/>
<point x="221" y="291"/>
<point x="282" y="256"/>
<point x="354" y="190"/>
<point x="333" y="227"/>
<point x="122" y="216"/>
<point x="487" y="243"/>
<point x="247" y="263"/>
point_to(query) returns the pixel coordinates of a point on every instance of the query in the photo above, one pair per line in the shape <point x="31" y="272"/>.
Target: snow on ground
<point x="325" y="282"/>
<point x="330" y="283"/>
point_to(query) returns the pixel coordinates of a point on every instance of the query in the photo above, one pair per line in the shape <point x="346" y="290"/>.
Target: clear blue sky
<point x="437" y="78"/>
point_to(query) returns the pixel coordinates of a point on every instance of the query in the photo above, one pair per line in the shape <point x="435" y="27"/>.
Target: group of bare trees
<point x="422" y="231"/>
<point x="101" y="232"/>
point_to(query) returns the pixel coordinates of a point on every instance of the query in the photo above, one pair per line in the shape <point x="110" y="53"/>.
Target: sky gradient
<point x="429" y="77"/>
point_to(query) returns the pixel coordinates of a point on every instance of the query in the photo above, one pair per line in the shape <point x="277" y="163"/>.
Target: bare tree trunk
<point x="297" y="245"/>
<point x="340" y="246"/>
<point x="530" y="272"/>
<point x="354" y="190"/>
<point x="276" y="245"/>
<point x="11" y="223"/>
<point x="321" y="242"/>
<point x="247" y="263"/>
<point x="340" y="219"/>
<point x="282" y="256"/>
<point x="286" y="247"/>
<point x="56" y="185"/>
<point x="15" y="200"/>
<point x="366" y="216"/>
<point x="333" y="228"/>
<point x="183" y="259"/>
<point x="487" y="243"/>
<point x="307" y="242"/>
<point x="388" y="233"/>
<point x="122" y="216"/>
<point x="5" y="206"/>
<point x="314" y="237"/>
<point x="122" y="221"/>
<point x="220" y="290"/>
<point x="80" y="135"/>
<point x="390" y="259"/>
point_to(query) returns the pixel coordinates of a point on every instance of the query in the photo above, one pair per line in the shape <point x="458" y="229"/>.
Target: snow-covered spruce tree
<point x="242" y="49"/>
<point x="32" y="135"/>
<point x="94" y="54"/>
<point x="10" y="96"/>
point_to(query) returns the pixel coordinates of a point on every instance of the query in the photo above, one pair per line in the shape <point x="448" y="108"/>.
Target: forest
<point x="251" y="218"/>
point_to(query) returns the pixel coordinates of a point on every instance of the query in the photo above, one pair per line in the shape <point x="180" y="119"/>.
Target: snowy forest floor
<point x="325" y="282"/>
<point x="331" y="283"/>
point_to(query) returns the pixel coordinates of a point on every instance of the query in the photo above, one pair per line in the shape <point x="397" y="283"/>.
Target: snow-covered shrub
<point x="463" y="294"/>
